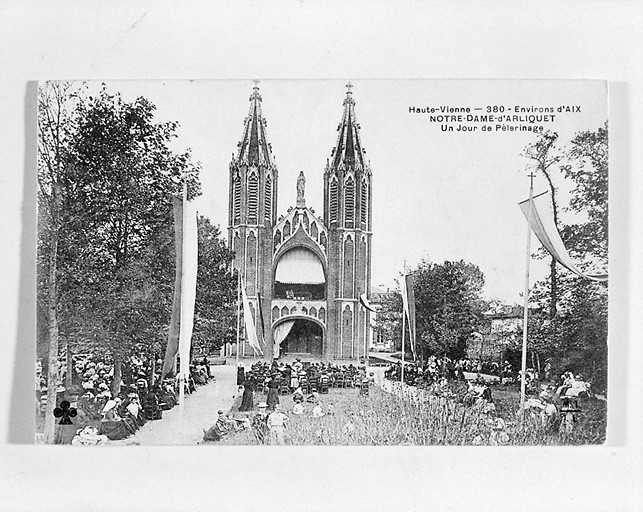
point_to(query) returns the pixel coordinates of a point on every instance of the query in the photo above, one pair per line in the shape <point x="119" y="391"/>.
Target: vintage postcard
<point x="322" y="262"/>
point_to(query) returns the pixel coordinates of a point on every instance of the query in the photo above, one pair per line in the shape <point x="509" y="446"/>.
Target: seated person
<point x="88" y="436"/>
<point x="298" y="409"/>
<point x="298" y="395"/>
<point x="317" y="411"/>
<point x="313" y="397"/>
<point x="112" y="424"/>
<point x="221" y="428"/>
<point x="151" y="408"/>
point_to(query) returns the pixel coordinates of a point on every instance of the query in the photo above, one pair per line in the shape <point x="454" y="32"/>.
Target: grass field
<point x="384" y="419"/>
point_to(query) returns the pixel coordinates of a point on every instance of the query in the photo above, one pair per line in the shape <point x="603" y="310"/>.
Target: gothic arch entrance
<point x="305" y="338"/>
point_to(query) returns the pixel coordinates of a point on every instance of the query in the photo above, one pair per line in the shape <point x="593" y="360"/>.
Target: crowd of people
<point x="142" y="395"/>
<point x="306" y="381"/>
<point x="548" y="398"/>
<point x="436" y="368"/>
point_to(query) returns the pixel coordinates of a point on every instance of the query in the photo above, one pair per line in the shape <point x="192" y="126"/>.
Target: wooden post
<point x="526" y="307"/>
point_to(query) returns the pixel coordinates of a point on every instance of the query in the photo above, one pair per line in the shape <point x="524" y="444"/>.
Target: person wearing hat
<point x="112" y="425"/>
<point x="273" y="391"/>
<point x="260" y="423"/>
<point x="217" y="431"/>
<point x="247" y="402"/>
<point x="277" y="421"/>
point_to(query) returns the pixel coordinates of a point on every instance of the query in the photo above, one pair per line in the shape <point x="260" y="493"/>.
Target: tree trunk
<point x="118" y="373"/>
<point x="552" y="266"/>
<point x="69" y="376"/>
<point x="554" y="289"/>
<point x="53" y="367"/>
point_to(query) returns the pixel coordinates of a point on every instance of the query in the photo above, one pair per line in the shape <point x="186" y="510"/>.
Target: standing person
<point x="548" y="370"/>
<point x="260" y="423"/>
<point x="241" y="375"/>
<point x="277" y="424"/>
<point x="247" y="402"/>
<point x="273" y="391"/>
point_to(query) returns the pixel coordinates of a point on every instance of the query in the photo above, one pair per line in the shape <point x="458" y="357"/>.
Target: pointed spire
<point x="254" y="148"/>
<point x="349" y="146"/>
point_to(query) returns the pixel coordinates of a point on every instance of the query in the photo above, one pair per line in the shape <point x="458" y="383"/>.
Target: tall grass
<point x="385" y="419"/>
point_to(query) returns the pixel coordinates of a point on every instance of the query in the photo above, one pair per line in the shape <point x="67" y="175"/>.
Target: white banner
<point x="542" y="224"/>
<point x="188" y="285"/>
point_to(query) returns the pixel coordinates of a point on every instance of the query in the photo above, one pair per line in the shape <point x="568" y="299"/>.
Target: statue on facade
<point x="301" y="187"/>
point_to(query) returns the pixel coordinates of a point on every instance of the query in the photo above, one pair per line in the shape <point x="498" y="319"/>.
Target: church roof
<point x="254" y="148"/>
<point x="349" y="148"/>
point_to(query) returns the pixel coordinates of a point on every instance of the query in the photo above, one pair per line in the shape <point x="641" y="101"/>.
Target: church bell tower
<point x="253" y="209"/>
<point x="347" y="216"/>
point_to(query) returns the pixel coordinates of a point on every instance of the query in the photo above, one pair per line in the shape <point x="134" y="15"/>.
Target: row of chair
<point x="321" y="384"/>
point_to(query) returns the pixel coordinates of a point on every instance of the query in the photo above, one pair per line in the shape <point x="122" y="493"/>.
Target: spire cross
<point x="349" y="86"/>
<point x="531" y="178"/>
<point x="256" y="82"/>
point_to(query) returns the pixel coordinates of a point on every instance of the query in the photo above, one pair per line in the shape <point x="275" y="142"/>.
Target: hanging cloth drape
<point x="281" y="331"/>
<point x="188" y="286"/>
<point x="542" y="224"/>
<point x="300" y="266"/>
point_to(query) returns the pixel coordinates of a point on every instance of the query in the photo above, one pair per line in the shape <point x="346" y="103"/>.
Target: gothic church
<point x="305" y="272"/>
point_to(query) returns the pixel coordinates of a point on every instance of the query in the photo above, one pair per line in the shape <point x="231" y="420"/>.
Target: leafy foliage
<point x="447" y="307"/>
<point x="576" y="337"/>
<point x="116" y="256"/>
<point x="216" y="290"/>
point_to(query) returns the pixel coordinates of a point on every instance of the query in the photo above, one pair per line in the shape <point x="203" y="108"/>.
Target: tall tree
<point x="587" y="167"/>
<point x="56" y="126"/>
<point x="577" y="338"/>
<point x="447" y="307"/>
<point x="215" y="291"/>
<point x="545" y="156"/>
<point x="124" y="175"/>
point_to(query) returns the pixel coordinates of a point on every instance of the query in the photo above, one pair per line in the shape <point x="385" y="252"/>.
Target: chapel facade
<point x="303" y="273"/>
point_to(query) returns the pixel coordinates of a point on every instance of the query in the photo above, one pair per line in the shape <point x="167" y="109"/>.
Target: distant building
<point x="377" y="338"/>
<point x="502" y="330"/>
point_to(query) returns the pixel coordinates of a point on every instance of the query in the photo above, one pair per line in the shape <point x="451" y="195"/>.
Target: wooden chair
<point x="324" y="384"/>
<point x="260" y="385"/>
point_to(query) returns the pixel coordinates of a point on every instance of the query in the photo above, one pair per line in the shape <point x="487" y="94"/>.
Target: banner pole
<point x="526" y="307"/>
<point x="403" y="333"/>
<point x="183" y="265"/>
<point x="238" y="314"/>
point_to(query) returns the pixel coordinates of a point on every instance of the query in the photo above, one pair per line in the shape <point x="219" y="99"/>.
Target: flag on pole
<point x="263" y="326"/>
<point x="408" y="300"/>
<point x="364" y="302"/>
<point x="169" y="363"/>
<point x="411" y="309"/>
<point x="251" y="331"/>
<point x="543" y="226"/>
<point x="188" y="285"/>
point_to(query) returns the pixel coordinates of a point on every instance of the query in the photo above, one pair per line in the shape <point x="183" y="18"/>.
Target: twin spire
<point x="254" y="148"/>
<point x="348" y="149"/>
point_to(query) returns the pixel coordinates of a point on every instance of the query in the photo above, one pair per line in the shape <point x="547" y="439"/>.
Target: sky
<point x="440" y="195"/>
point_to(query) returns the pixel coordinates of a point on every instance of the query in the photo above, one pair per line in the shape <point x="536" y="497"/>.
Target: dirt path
<point x="200" y="411"/>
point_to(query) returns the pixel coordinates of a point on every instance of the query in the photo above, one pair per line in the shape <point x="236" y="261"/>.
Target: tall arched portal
<point x="304" y="339"/>
<point x="299" y="300"/>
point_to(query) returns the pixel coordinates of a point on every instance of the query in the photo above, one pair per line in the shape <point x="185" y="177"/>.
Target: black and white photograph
<point x="322" y="262"/>
<point x="298" y="255"/>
